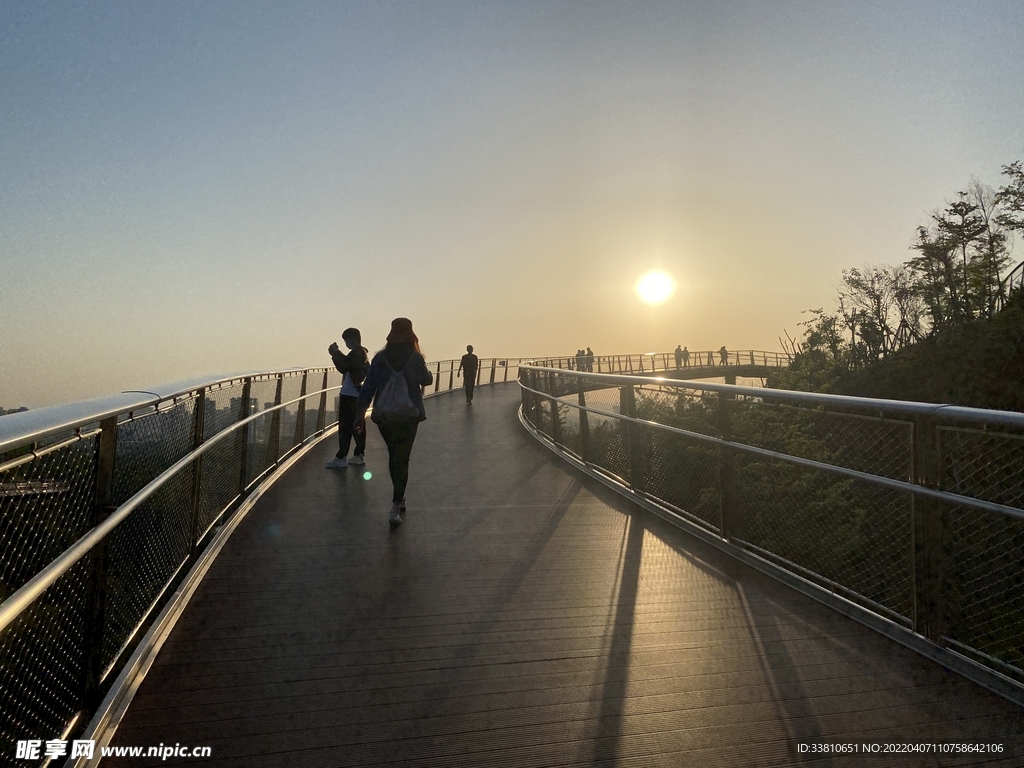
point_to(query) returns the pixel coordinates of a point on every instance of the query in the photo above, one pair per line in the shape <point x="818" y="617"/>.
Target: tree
<point x="1010" y="198"/>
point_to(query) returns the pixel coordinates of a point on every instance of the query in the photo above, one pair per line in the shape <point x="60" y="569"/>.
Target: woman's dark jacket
<point x="392" y="360"/>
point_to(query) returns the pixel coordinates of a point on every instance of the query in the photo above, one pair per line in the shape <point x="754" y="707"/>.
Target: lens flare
<point x="655" y="287"/>
<point x="367" y="475"/>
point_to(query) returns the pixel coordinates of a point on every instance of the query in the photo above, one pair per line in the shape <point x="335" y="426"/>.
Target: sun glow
<point x="655" y="287"/>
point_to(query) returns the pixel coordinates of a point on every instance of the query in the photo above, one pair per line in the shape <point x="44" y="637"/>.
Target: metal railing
<point x="653" y="362"/>
<point x="105" y="506"/>
<point x="1011" y="284"/>
<point x="912" y="513"/>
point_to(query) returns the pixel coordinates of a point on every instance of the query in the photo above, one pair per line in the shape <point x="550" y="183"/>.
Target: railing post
<point x="451" y="376"/>
<point x="243" y="439"/>
<point x="96" y="596"/>
<point x="537" y="399"/>
<point x="494" y="364"/>
<point x="321" y="418"/>
<point x="275" y="423"/>
<point x="929" y="532"/>
<point x="506" y="367"/>
<point x="584" y="425"/>
<point x="634" y="449"/>
<point x="300" y="413"/>
<point x="437" y="378"/>
<point x="556" y="425"/>
<point x="199" y="427"/>
<point x="726" y="480"/>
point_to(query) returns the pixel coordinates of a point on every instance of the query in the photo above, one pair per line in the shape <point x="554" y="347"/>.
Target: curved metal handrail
<point x="943" y="482"/>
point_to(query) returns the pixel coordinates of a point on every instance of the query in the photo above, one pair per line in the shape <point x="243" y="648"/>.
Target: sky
<point x="210" y="187"/>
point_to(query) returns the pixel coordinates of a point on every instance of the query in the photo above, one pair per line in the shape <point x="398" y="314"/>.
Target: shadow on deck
<point x="522" y="616"/>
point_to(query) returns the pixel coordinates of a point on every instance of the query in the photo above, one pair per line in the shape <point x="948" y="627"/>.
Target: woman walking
<point x="353" y="369"/>
<point x="396" y="377"/>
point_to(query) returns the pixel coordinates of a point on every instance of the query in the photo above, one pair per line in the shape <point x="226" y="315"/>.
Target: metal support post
<point x="930" y="527"/>
<point x="584" y="425"/>
<point x="437" y="378"/>
<point x="243" y="437"/>
<point x="199" y="427"/>
<point x="634" y="445"/>
<point x="103" y="506"/>
<point x="556" y="423"/>
<point x="451" y="376"/>
<point x="300" y="415"/>
<point x="726" y="459"/>
<point x="494" y="366"/>
<point x="275" y="423"/>
<point x="321" y="418"/>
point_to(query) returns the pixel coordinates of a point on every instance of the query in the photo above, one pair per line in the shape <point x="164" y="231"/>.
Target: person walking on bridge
<point x="468" y="366"/>
<point x="353" y="367"/>
<point x="396" y="377"/>
<point x="723" y="355"/>
<point x="679" y="356"/>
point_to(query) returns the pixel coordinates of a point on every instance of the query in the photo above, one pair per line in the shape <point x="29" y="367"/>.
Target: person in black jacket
<point x="353" y="367"/>
<point x="401" y="356"/>
<point x="468" y="367"/>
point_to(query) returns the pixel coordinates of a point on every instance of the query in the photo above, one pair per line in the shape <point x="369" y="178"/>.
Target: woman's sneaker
<point x="336" y="463"/>
<point x="395" y="518"/>
<point x="401" y="507"/>
<point x="357" y="459"/>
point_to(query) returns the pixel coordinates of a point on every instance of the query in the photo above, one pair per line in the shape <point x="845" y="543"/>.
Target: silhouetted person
<point x="468" y="365"/>
<point x="686" y="357"/>
<point x="723" y="355"/>
<point x="580" y="360"/>
<point x="679" y="356"/>
<point x="398" y="407"/>
<point x="352" y="367"/>
<point x="590" y="359"/>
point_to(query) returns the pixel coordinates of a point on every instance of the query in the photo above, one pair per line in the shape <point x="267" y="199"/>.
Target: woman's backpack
<point x="393" y="401"/>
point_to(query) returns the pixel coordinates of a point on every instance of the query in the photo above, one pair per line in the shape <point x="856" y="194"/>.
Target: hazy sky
<point x="193" y="188"/>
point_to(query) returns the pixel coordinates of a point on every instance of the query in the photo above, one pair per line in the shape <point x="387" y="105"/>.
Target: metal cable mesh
<point x="692" y="411"/>
<point x="144" y="552"/>
<point x="41" y="663"/>
<point x="869" y="444"/>
<point x="683" y="472"/>
<point x="569" y="427"/>
<point x="853" y="533"/>
<point x="149" y="444"/>
<point x="291" y="387"/>
<point x="45" y="505"/>
<point x="608" y="440"/>
<point x="222" y="464"/>
<point x="983" y="580"/>
<point x="259" y="456"/>
<point x="309" y="426"/>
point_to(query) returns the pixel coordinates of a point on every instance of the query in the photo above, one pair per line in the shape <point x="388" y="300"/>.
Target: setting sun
<point x="655" y="287"/>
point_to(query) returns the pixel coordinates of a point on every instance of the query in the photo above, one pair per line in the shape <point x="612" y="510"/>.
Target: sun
<point x="655" y="287"/>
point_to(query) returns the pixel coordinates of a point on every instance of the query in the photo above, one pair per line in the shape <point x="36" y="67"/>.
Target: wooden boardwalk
<point x="522" y="616"/>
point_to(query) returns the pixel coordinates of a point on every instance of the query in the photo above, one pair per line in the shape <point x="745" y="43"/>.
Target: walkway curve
<point x="524" y="615"/>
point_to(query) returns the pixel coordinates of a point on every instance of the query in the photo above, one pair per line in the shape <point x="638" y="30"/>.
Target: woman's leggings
<point x="399" y="437"/>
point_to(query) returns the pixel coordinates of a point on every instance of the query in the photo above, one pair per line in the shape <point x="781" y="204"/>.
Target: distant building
<point x="4" y="412"/>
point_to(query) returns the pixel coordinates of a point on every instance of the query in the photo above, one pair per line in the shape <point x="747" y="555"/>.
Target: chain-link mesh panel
<point x="569" y="427"/>
<point x="222" y="464"/>
<point x="683" y="472"/>
<point x="312" y="409"/>
<point x="608" y="442"/>
<point x="259" y="453"/>
<point x="853" y="533"/>
<point x="42" y="657"/>
<point x="694" y="412"/>
<point x="985" y="465"/>
<point x="144" y="551"/>
<point x="149" y="444"/>
<point x="291" y="388"/>
<point x="869" y="444"/>
<point x="984" y="583"/>
<point x="45" y="505"/>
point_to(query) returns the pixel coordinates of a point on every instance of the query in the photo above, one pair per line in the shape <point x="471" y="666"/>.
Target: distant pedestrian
<point x="686" y="357"/>
<point x="590" y="359"/>
<point x="679" y="356"/>
<point x="352" y="367"/>
<point x="396" y="377"/>
<point x="468" y="366"/>
<point x="581" y="360"/>
<point x="723" y="355"/>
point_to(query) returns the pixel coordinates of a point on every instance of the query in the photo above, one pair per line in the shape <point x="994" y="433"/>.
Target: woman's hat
<point x="401" y="331"/>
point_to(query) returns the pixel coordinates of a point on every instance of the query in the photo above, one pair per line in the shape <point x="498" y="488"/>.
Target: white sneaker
<point x="356" y="459"/>
<point x="336" y="463"/>
<point x="395" y="518"/>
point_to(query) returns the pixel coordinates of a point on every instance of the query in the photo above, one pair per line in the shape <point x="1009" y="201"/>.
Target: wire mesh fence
<point x="61" y="649"/>
<point x="843" y="492"/>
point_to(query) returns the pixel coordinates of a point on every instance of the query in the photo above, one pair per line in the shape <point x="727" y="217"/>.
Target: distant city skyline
<point x="193" y="188"/>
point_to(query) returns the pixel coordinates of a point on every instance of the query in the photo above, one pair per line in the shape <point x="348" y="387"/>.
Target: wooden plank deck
<point x="522" y="616"/>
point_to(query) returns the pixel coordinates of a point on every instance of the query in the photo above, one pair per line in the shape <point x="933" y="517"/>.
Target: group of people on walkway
<point x="584" y="359"/>
<point x="682" y="355"/>
<point x="393" y="381"/>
